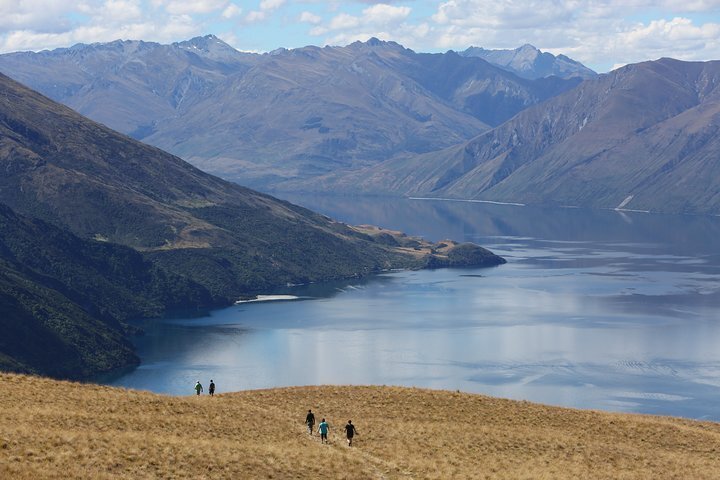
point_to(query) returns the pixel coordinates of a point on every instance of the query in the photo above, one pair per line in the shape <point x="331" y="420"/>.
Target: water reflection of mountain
<point x="437" y="220"/>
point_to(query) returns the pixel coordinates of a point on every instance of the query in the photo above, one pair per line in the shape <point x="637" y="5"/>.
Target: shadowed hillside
<point x="101" y="185"/>
<point x="88" y="431"/>
<point x="64" y="301"/>
<point x="102" y="228"/>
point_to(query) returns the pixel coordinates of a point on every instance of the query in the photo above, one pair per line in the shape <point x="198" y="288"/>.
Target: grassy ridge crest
<point x="54" y="429"/>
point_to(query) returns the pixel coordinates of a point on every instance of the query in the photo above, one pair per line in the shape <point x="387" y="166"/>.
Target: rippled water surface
<point x="595" y="309"/>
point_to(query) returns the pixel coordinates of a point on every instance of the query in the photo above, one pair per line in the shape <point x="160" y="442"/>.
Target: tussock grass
<point x="53" y="429"/>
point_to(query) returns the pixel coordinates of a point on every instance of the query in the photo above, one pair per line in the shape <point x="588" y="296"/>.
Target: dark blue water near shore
<point x="595" y="309"/>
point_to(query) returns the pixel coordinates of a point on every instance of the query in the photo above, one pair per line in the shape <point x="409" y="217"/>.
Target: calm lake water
<point x="595" y="309"/>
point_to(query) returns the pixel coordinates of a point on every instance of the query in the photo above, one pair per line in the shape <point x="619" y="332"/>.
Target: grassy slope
<point x="56" y="429"/>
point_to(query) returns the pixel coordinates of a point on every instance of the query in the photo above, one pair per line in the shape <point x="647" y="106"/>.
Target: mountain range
<point x="97" y="228"/>
<point x="375" y="117"/>
<point x="286" y="115"/>
<point x="643" y="137"/>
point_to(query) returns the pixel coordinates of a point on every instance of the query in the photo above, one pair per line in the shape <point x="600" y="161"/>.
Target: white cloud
<point x="269" y="5"/>
<point x="689" y="5"/>
<point x="255" y="16"/>
<point x="176" y="27"/>
<point x="596" y="32"/>
<point x="374" y="18"/>
<point x="506" y="14"/>
<point x="188" y="7"/>
<point x="317" y="31"/>
<point x="309" y="17"/>
<point x="344" y="21"/>
<point x="232" y="11"/>
<point x="117" y="12"/>
<point x="266" y="8"/>
<point x="29" y="26"/>
<point x="34" y="14"/>
<point x="677" y="37"/>
<point x="384" y="14"/>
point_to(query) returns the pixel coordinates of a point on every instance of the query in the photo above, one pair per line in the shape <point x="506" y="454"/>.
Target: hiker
<point x="198" y="387"/>
<point x="350" y="430"/>
<point x="211" y="388"/>
<point x="323" y="429"/>
<point x="310" y="421"/>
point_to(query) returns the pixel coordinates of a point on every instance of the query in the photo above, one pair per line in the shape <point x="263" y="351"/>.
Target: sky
<point x="602" y="34"/>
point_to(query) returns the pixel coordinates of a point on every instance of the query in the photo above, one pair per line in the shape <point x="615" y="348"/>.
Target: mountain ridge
<point x="263" y="119"/>
<point x="642" y="136"/>
<point x="529" y="62"/>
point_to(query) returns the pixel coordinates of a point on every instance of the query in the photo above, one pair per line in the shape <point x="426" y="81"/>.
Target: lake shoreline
<point x="606" y="310"/>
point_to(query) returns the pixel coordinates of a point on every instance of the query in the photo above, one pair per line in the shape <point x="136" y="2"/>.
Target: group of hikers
<point x="324" y="428"/>
<point x="199" y="388"/>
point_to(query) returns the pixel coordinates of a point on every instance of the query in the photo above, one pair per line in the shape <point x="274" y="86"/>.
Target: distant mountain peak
<point x="207" y="44"/>
<point x="376" y="42"/>
<point x="202" y="40"/>
<point x="528" y="61"/>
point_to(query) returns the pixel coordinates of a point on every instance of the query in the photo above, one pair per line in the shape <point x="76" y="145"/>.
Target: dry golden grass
<point x="56" y="429"/>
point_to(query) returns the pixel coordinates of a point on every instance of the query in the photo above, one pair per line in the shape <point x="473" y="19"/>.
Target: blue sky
<point x="603" y="34"/>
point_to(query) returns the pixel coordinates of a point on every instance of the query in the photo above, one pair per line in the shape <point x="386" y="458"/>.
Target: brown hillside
<point x="57" y="429"/>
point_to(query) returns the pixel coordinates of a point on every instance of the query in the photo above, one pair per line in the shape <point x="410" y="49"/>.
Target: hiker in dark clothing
<point x="211" y="388"/>
<point x="310" y="421"/>
<point x="350" y="431"/>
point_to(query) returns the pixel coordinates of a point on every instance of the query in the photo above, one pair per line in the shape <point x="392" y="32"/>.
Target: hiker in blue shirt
<point x="323" y="429"/>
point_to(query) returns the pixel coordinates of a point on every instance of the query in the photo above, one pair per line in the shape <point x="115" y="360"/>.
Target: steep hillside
<point x="88" y="431"/>
<point x="202" y="241"/>
<point x="63" y="299"/>
<point x="642" y="137"/>
<point x="529" y="62"/>
<point x="289" y="114"/>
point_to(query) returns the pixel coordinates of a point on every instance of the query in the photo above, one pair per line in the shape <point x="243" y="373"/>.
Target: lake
<point x="595" y="309"/>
